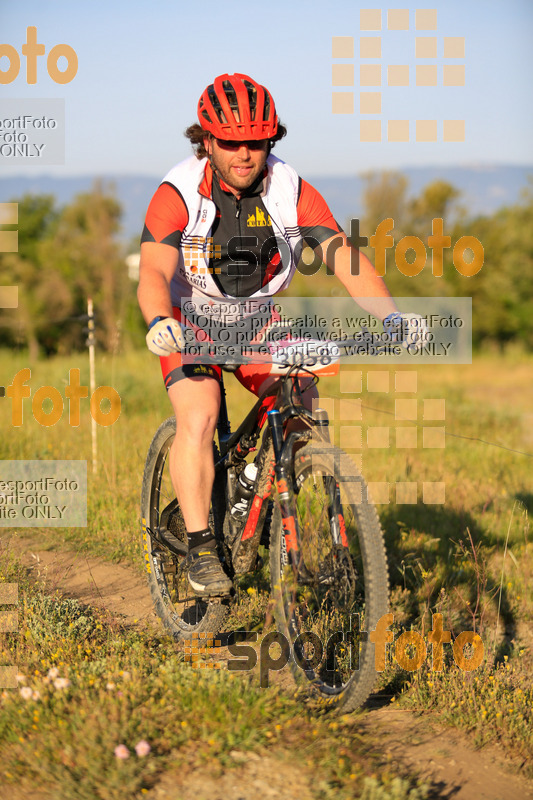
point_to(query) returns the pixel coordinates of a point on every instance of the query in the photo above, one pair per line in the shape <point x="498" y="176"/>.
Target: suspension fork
<point x="335" y="515"/>
<point x="289" y="519"/>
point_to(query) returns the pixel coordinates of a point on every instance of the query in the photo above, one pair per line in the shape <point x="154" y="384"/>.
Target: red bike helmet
<point x="236" y="108"/>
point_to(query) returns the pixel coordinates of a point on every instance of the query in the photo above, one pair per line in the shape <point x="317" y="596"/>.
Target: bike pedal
<point x="215" y="598"/>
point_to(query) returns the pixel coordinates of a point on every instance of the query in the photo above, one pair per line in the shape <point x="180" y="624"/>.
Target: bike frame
<point x="274" y="459"/>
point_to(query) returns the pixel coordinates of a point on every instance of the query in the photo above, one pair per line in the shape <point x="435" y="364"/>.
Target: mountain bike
<point x="310" y="506"/>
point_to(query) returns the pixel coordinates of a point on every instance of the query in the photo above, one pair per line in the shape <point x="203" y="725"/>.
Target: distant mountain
<point x="484" y="189"/>
<point x="133" y="191"/>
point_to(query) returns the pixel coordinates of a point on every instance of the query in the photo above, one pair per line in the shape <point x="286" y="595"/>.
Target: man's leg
<point x="196" y="403"/>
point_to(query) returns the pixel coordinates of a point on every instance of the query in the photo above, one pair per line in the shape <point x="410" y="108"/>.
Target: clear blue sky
<point x="143" y="65"/>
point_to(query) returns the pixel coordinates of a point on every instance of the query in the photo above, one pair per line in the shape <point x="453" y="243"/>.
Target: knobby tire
<point x="337" y="587"/>
<point x="182" y="614"/>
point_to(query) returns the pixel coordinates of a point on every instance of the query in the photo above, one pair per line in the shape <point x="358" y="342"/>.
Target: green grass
<point x="88" y="686"/>
<point x="469" y="559"/>
<point x="488" y="492"/>
<point x="492" y="703"/>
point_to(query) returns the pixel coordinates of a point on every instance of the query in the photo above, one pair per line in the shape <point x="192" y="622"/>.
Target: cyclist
<point x="243" y="213"/>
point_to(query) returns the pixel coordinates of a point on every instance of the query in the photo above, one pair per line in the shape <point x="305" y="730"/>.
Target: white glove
<point x="410" y="330"/>
<point x="165" y="337"/>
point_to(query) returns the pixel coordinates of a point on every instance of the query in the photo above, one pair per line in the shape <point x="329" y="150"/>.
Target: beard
<point x="229" y="175"/>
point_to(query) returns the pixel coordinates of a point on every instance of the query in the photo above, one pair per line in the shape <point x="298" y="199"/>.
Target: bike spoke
<point x="331" y="599"/>
<point x="181" y="611"/>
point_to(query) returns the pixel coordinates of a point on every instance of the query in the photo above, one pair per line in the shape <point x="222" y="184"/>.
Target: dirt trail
<point x="94" y="581"/>
<point x="446" y="757"/>
<point x="441" y="755"/>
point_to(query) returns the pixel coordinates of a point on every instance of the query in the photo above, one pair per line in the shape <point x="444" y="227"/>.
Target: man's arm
<point x="158" y="264"/>
<point x="366" y="287"/>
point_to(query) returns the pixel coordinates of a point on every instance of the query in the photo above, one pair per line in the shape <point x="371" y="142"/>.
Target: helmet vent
<point x="215" y="102"/>
<point x="252" y="98"/>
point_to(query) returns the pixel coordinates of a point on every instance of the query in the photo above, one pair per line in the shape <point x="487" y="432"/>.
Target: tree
<point x="37" y="221"/>
<point x="502" y="290"/>
<point x="384" y="196"/>
<point x="86" y="254"/>
<point x="64" y="257"/>
<point x="435" y="202"/>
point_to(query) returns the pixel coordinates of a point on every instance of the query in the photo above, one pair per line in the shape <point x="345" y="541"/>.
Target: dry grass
<point x="447" y="558"/>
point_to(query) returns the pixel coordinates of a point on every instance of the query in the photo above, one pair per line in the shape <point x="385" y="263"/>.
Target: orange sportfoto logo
<point x="32" y="49"/>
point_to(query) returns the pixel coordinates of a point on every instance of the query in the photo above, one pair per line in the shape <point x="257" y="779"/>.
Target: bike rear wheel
<point x="165" y="545"/>
<point x="341" y="586"/>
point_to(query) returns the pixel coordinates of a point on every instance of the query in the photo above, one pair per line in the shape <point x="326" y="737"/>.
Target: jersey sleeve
<point x="166" y="217"/>
<point x="315" y="220"/>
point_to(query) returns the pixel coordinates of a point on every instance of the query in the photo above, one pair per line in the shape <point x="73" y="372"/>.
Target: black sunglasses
<point x="252" y="144"/>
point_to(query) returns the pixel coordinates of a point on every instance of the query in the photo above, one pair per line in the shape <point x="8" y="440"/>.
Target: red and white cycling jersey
<point x="230" y="249"/>
<point x="235" y="248"/>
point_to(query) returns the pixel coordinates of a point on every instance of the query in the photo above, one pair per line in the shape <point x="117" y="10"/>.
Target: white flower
<point x="122" y="752"/>
<point x="53" y="673"/>
<point x="61" y="683"/>
<point x="36" y="696"/>
<point x="110" y="686"/>
<point x="26" y="692"/>
<point x="142" y="748"/>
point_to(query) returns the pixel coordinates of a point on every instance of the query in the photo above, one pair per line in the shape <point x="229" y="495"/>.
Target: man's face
<point x="238" y="163"/>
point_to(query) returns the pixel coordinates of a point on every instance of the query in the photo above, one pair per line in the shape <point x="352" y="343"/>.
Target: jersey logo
<point x="258" y="219"/>
<point x="201" y="369"/>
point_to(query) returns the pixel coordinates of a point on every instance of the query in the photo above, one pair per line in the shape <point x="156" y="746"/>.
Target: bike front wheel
<point x="165" y="545"/>
<point x="326" y="607"/>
